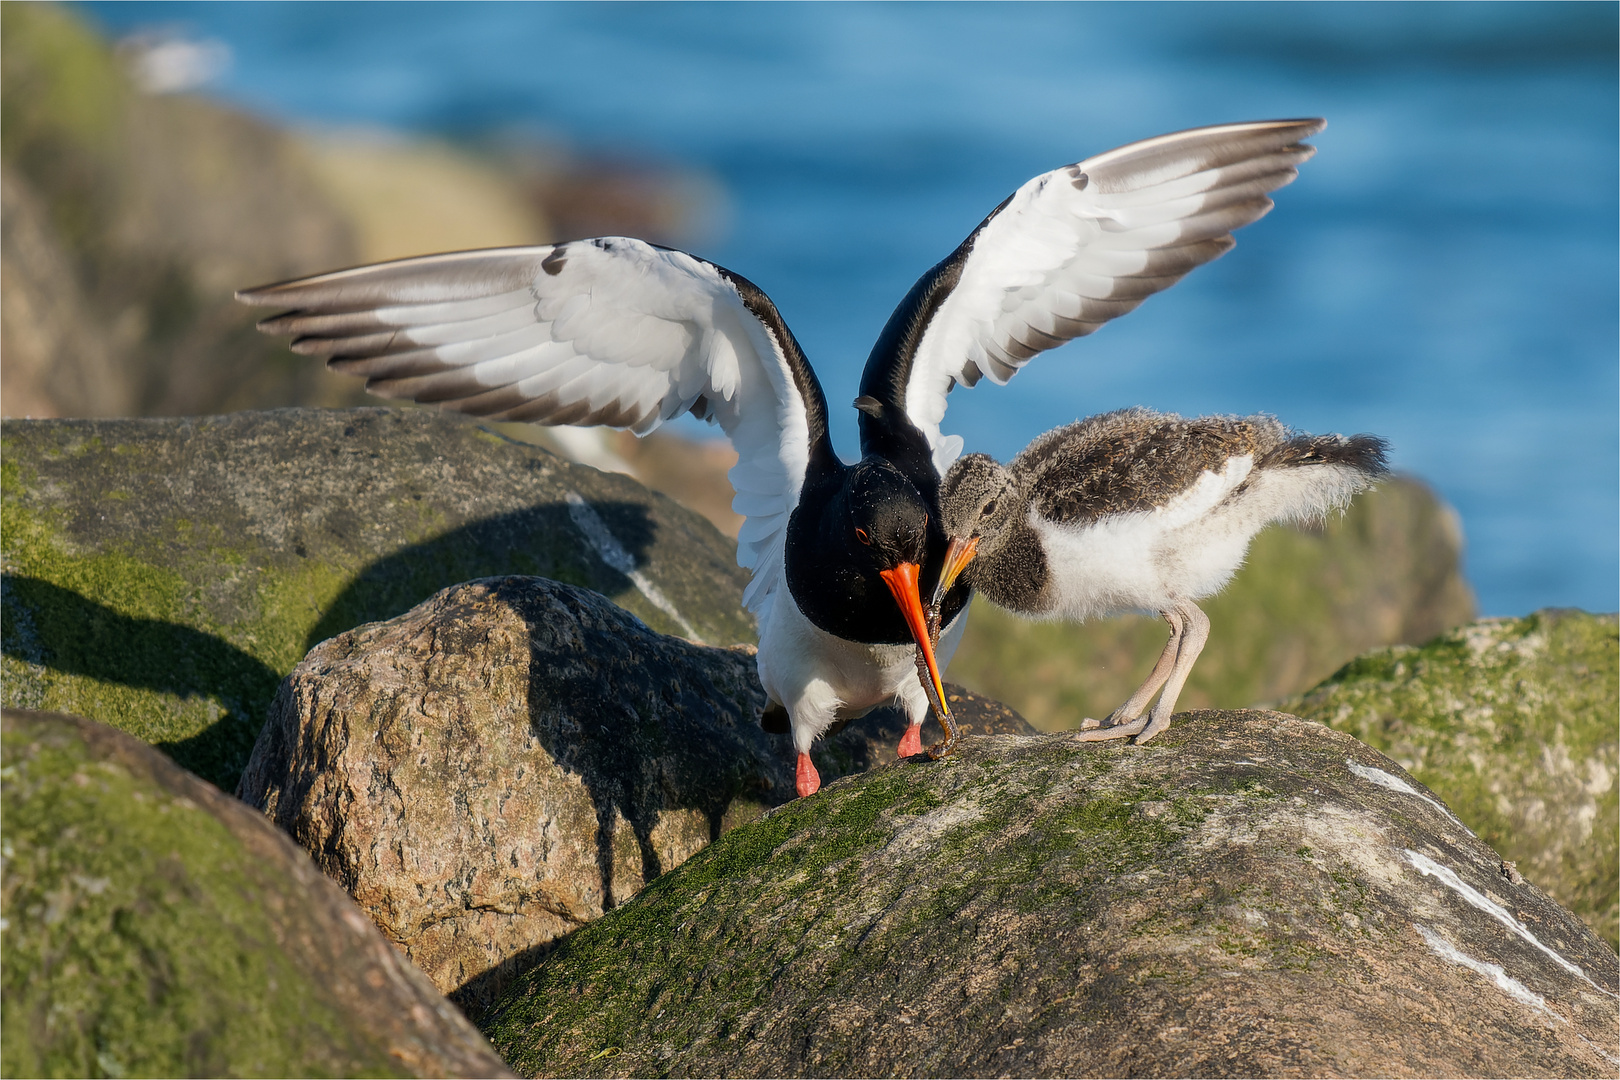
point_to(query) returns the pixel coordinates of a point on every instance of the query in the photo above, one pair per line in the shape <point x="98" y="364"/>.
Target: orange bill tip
<point x="902" y="582"/>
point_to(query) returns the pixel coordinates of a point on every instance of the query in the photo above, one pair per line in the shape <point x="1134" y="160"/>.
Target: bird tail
<point x="1364" y="454"/>
<point x="1306" y="477"/>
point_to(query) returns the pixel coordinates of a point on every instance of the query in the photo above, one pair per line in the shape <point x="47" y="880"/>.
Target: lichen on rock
<point x="1512" y="722"/>
<point x="1235" y="898"/>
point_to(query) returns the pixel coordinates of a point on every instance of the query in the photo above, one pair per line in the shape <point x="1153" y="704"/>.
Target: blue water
<point x="1444" y="273"/>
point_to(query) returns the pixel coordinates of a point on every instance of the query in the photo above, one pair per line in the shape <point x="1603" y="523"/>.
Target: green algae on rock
<point x="156" y="927"/>
<point x="1512" y="722"/>
<point x="163" y="575"/>
<point x="1389" y="570"/>
<point x="1251" y="894"/>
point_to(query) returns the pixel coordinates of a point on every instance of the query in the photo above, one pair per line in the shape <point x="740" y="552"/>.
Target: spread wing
<point x="1074" y="248"/>
<point x="608" y="331"/>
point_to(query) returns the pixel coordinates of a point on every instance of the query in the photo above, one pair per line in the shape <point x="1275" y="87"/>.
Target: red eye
<point x="860" y="534"/>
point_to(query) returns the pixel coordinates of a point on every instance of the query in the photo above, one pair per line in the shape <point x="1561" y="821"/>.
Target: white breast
<point x="820" y="678"/>
<point x="1142" y="561"/>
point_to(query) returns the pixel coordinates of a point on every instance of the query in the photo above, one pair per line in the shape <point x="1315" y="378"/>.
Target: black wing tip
<point x="257" y="295"/>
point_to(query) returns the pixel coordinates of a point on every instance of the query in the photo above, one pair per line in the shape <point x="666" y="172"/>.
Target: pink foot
<point x="911" y="741"/>
<point x="806" y="779"/>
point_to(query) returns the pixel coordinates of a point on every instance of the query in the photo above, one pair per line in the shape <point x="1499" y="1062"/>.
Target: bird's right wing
<point x="610" y="331"/>
<point x="1072" y="249"/>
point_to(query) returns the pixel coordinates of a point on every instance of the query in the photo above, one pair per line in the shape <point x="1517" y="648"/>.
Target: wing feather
<point x="1077" y="247"/>
<point x="608" y="331"/>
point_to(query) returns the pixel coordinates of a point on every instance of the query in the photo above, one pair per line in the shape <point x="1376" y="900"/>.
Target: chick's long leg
<point x="1126" y="720"/>
<point x="1192" y="643"/>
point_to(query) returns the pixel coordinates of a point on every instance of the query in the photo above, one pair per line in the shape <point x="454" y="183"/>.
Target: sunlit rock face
<point x="1511" y="721"/>
<point x="163" y="575"/>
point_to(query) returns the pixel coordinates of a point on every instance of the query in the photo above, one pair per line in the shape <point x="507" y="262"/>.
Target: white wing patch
<point x="611" y="331"/>
<point x="1078" y="246"/>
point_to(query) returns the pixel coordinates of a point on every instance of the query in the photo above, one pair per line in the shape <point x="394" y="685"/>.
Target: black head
<point x="857" y="555"/>
<point x="838" y="549"/>
<point x="887" y="518"/>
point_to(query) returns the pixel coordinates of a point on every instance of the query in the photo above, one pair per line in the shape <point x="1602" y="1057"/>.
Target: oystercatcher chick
<point x="1140" y="511"/>
<point x="619" y="332"/>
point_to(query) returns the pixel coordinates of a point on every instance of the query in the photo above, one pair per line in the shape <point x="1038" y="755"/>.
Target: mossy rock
<point x="164" y="575"/>
<point x="156" y="927"/>
<point x="1306" y="601"/>
<point x="1512" y="721"/>
<point x="1251" y="894"/>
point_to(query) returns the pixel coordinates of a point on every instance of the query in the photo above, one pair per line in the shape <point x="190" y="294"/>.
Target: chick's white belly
<point x="1132" y="562"/>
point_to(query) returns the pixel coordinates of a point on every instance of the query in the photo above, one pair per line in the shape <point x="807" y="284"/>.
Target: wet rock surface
<point x="157" y="927"/>
<point x="503" y="763"/>
<point x="1512" y="723"/>
<point x="163" y="575"/>
<point x="1250" y="894"/>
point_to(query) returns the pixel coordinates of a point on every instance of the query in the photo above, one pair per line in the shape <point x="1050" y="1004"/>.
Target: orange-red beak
<point x="902" y="582"/>
<point x="957" y="556"/>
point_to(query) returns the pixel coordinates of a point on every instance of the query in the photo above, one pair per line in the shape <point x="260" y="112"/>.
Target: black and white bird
<point x="620" y="332"/>
<point x="1139" y="511"/>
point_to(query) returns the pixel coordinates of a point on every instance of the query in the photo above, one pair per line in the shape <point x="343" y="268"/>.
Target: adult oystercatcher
<point x="1139" y="511"/>
<point x="620" y="332"/>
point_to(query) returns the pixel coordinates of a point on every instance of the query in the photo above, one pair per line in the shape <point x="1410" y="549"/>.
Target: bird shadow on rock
<point x="544" y="540"/>
<point x="662" y="735"/>
<point x="649" y="722"/>
<point x="540" y="541"/>
<point x="59" y="630"/>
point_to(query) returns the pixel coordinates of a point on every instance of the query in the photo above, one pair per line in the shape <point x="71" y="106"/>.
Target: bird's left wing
<point x="1072" y="249"/>
<point x="610" y="331"/>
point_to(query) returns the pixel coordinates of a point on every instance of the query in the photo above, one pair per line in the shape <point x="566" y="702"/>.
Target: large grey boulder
<point x="163" y="575"/>
<point x="156" y="927"/>
<point x="509" y="759"/>
<point x="1512" y="722"/>
<point x="1249" y="895"/>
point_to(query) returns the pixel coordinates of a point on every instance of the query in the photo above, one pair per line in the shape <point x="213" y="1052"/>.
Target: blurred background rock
<point x="129" y="219"/>
<point x="132" y="212"/>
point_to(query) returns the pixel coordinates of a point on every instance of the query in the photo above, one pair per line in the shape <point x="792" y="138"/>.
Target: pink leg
<point x="1127" y="719"/>
<point x="911" y="741"/>
<point x="806" y="779"/>
<point x="1192" y="643"/>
